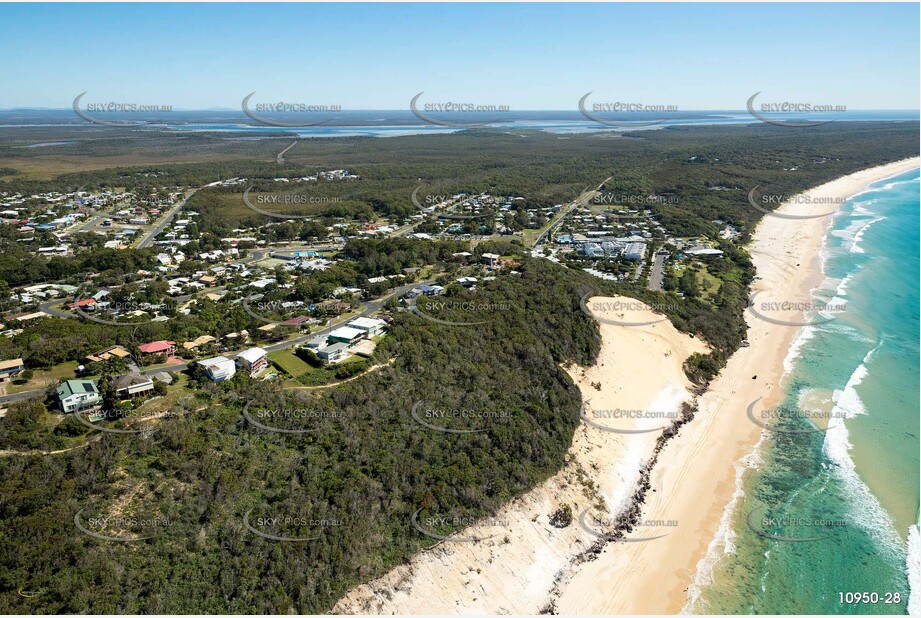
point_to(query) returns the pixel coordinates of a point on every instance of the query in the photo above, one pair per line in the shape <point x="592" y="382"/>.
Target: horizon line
<point x="406" y="109"/>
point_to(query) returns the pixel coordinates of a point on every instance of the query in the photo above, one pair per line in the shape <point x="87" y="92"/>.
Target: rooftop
<point x="10" y="364"/>
<point x="130" y="379"/>
<point x="156" y="346"/>
<point x="76" y="387"/>
<point x="252" y="354"/>
<point x="346" y="332"/>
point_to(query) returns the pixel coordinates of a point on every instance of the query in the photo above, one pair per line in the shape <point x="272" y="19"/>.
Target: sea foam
<point x="865" y="509"/>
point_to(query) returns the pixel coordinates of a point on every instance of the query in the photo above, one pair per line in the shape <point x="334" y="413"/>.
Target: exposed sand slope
<point x="693" y="482"/>
<point x="639" y="368"/>
<point x="696" y="473"/>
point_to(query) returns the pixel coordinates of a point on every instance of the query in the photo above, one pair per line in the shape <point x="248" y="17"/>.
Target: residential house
<point x="253" y="360"/>
<point x="317" y="342"/>
<point x="78" y="394"/>
<point x="462" y="256"/>
<point x="115" y="351"/>
<point x="219" y="368"/>
<point x="25" y="317"/>
<point x="198" y="342"/>
<point x="87" y="304"/>
<point x="635" y="251"/>
<point x="158" y="347"/>
<point x="430" y="290"/>
<point x="299" y="321"/>
<point x="9" y="368"/>
<point x="372" y="327"/>
<point x="335" y="353"/>
<point x="347" y="335"/>
<point x="490" y="259"/>
<point x="132" y="385"/>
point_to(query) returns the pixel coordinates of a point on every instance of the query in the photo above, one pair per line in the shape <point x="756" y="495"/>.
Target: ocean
<point x="825" y="520"/>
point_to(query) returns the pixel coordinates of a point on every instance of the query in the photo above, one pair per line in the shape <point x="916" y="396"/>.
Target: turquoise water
<point x="844" y="493"/>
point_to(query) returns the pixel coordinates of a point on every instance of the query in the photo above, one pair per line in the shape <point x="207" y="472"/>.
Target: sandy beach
<point x="693" y="481"/>
<point x="601" y="473"/>
<point x="696" y="474"/>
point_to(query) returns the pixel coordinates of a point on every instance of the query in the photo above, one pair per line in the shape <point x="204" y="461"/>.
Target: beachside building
<point x="132" y="385"/>
<point x="9" y="368"/>
<point x="158" y="347"/>
<point x="490" y="259"/>
<point x="372" y="327"/>
<point x="347" y="335"/>
<point x="253" y="360"/>
<point x="635" y="251"/>
<point x="424" y="289"/>
<point x="336" y="353"/>
<point x="115" y="351"/>
<point x="198" y="342"/>
<point x="219" y="368"/>
<point x="316" y="343"/>
<point x="702" y="251"/>
<point x="78" y="394"/>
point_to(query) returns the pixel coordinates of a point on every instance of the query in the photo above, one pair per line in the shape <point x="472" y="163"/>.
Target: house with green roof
<point x="74" y="394"/>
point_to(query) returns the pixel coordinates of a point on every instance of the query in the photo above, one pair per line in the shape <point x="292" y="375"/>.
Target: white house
<point x="347" y="335"/>
<point x="371" y="326"/>
<point x="253" y="360"/>
<point x="78" y="394"/>
<point x="219" y="368"/>
<point x="335" y="353"/>
<point x="316" y="343"/>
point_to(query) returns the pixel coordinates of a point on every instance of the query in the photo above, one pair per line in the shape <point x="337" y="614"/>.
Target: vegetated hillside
<point x="545" y="168"/>
<point x="357" y="480"/>
<point x="362" y="474"/>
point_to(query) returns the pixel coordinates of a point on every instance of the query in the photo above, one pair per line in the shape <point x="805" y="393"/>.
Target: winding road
<point x="370" y="307"/>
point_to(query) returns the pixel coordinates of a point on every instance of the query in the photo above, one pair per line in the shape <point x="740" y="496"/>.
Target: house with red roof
<point x="86" y="303"/>
<point x="158" y="347"/>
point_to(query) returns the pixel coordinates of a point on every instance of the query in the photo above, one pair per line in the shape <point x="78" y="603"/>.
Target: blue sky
<point x="536" y="56"/>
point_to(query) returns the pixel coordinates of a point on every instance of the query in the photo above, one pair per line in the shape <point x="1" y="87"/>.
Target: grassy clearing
<point x="43" y="378"/>
<point x="175" y="391"/>
<point x="286" y="361"/>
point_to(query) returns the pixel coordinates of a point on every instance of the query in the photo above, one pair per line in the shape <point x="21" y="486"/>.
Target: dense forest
<point x="363" y="471"/>
<point x="362" y="464"/>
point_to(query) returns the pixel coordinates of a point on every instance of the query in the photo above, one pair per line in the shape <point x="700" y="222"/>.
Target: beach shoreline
<point x="599" y="481"/>
<point x="697" y="476"/>
<point x="540" y="567"/>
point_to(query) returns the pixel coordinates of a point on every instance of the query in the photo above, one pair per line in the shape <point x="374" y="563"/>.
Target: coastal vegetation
<point x="362" y="471"/>
<point x="454" y="422"/>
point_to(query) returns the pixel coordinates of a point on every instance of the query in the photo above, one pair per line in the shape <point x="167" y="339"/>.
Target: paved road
<point x="23" y="395"/>
<point x="94" y="220"/>
<point x="152" y="234"/>
<point x="280" y="158"/>
<point x="369" y="308"/>
<point x="655" y="275"/>
<point x="580" y="201"/>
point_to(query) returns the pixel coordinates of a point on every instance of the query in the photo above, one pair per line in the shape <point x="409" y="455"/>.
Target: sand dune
<point x="691" y="484"/>
<point x="639" y="368"/>
<point x="695" y="476"/>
